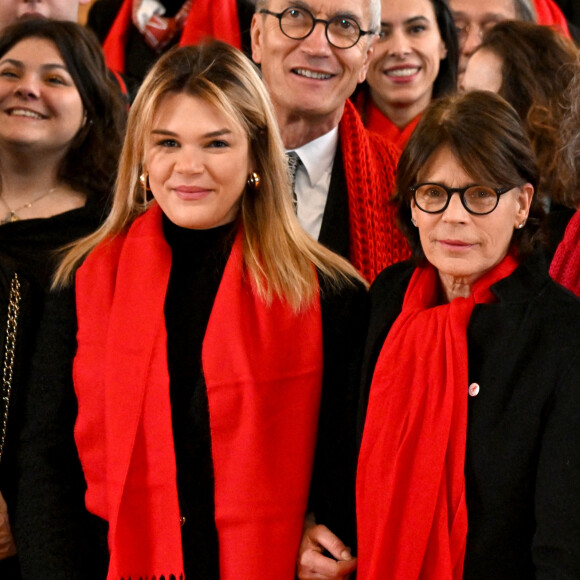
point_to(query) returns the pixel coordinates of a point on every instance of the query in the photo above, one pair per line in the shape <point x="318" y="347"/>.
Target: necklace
<point x="13" y="215"/>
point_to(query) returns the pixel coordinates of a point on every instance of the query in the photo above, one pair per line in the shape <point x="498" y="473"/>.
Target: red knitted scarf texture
<point x="565" y="266"/>
<point x="370" y="163"/>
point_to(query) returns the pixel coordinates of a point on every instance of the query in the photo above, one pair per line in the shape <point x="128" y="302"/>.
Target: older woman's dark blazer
<point x="522" y="465"/>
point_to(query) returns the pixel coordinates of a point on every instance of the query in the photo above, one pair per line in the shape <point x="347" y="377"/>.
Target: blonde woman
<point x="217" y="345"/>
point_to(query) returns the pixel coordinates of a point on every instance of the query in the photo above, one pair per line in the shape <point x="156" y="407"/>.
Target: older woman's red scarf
<point x="263" y="370"/>
<point x="565" y="266"/>
<point x="206" y="18"/>
<point x="411" y="512"/>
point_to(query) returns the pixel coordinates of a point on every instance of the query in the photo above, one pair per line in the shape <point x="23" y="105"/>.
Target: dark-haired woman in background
<point x="414" y="61"/>
<point x="61" y="124"/>
<point x="565" y="266"/>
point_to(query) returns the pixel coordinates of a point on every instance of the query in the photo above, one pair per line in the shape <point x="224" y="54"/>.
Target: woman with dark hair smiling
<point x="61" y="125"/>
<point x="414" y="61"/>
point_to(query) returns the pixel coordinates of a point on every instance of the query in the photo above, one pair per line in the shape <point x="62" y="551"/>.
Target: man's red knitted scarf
<point x="263" y="370"/>
<point x="207" y="18"/>
<point x="565" y="266"/>
<point x="370" y="165"/>
<point x="411" y="512"/>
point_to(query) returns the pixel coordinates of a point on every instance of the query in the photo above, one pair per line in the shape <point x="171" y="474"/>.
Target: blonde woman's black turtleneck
<point x="198" y="261"/>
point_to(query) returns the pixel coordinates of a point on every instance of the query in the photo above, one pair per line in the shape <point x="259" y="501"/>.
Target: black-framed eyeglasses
<point x="476" y="199"/>
<point x="298" y="23"/>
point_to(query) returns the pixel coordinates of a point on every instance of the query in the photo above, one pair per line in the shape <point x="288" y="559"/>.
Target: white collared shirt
<point x="313" y="180"/>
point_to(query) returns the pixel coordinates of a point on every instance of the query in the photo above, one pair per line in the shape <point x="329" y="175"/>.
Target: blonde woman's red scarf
<point x="263" y="370"/>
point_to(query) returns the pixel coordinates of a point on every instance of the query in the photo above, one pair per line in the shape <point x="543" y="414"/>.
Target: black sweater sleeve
<point x="56" y="537"/>
<point x="344" y="326"/>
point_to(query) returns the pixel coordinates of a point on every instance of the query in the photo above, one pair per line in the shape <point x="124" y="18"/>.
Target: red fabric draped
<point x="370" y="163"/>
<point x="206" y="18"/>
<point x="565" y="266"/>
<point x="216" y="19"/>
<point x="549" y="14"/>
<point x="411" y="511"/>
<point x="263" y="369"/>
<point x="381" y="124"/>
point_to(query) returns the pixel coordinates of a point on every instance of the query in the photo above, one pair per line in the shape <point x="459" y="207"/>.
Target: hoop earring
<point x="254" y="180"/>
<point x="144" y="179"/>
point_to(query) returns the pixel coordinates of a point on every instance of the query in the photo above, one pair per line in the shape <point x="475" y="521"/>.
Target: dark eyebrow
<point x="48" y="66"/>
<point x="412" y="20"/>
<point x="212" y="134"/>
<point x="415" y="19"/>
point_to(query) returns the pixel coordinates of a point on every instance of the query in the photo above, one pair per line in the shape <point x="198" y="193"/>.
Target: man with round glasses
<point x="313" y="54"/>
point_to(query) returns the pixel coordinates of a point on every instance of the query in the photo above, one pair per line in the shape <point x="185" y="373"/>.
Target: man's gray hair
<point x="375" y="11"/>
<point x="525" y="10"/>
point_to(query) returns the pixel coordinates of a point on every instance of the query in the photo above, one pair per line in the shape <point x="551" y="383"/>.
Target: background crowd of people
<point x="289" y="289"/>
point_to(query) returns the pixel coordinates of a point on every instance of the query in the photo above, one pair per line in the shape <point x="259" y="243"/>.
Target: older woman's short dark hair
<point x="486" y="136"/>
<point x="91" y="162"/>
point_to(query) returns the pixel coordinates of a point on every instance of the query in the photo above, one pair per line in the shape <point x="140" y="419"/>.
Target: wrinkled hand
<point x="312" y="564"/>
<point x="7" y="545"/>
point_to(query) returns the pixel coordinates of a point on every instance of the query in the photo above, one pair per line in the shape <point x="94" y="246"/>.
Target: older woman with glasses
<point x="469" y="464"/>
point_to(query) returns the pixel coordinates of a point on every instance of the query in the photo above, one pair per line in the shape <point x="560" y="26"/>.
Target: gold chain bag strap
<point x="9" y="348"/>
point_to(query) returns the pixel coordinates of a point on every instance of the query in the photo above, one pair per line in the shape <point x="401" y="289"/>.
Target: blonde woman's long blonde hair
<point x="278" y="255"/>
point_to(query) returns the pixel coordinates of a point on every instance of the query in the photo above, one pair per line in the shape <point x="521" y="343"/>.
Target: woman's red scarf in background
<point x="263" y="370"/>
<point x="379" y="123"/>
<point x="411" y="511"/>
<point x="565" y="266"/>
<point x="549" y="14"/>
<point x="207" y="18"/>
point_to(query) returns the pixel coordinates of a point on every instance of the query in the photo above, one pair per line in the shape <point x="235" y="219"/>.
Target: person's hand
<point x="7" y="545"/>
<point x="312" y="563"/>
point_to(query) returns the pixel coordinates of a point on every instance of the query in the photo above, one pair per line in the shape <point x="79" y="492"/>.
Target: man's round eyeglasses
<point x="298" y="23"/>
<point x="476" y="199"/>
